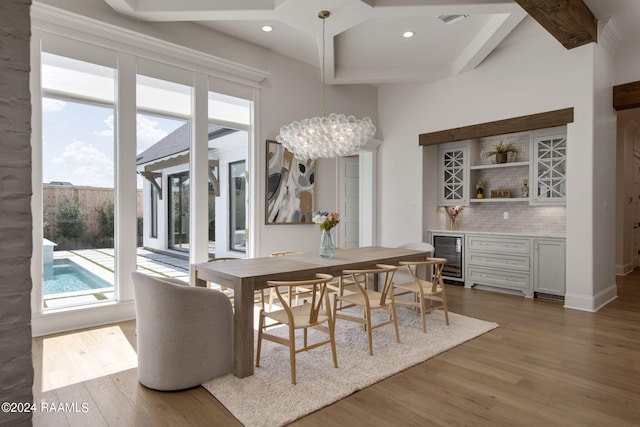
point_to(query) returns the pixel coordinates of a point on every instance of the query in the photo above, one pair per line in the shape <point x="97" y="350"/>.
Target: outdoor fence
<point x="92" y="202"/>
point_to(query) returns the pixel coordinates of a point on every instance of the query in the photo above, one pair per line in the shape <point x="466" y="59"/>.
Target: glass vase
<point x="327" y="246"/>
<point x="452" y="223"/>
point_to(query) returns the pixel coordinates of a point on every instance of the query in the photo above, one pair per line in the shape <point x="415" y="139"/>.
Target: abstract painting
<point x="290" y="187"/>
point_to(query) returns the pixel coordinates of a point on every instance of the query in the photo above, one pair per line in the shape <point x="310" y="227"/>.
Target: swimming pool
<point x="66" y="276"/>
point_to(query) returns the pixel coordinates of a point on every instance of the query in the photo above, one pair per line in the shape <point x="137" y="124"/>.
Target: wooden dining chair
<point x="370" y="300"/>
<point x="424" y="290"/>
<point x="259" y="294"/>
<point x="314" y="313"/>
<point x="291" y="292"/>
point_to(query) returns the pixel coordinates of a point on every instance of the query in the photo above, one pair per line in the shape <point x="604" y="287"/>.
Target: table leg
<point x="243" y="359"/>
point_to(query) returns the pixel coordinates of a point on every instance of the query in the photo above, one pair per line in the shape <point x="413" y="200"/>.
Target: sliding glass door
<point x="179" y="211"/>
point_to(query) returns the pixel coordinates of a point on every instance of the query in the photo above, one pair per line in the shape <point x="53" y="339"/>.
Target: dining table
<point x="247" y="275"/>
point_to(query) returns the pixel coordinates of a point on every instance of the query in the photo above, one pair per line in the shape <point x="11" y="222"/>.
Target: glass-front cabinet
<point x="549" y="175"/>
<point x="453" y="168"/>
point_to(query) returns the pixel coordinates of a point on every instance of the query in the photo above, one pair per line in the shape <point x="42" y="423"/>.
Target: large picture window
<point x="106" y="164"/>
<point x="77" y="182"/>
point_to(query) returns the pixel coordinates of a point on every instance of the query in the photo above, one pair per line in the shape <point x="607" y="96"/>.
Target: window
<point x="154" y="93"/>
<point x="78" y="182"/>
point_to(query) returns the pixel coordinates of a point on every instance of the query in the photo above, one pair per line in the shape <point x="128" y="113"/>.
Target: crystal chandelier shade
<point x="330" y="136"/>
<point x="334" y="136"/>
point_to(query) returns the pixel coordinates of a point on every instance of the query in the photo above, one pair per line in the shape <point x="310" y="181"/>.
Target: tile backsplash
<point x="489" y="217"/>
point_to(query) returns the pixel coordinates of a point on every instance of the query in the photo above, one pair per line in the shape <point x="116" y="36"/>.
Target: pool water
<point x="67" y="276"/>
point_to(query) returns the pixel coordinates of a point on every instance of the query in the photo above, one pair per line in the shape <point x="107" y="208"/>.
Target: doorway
<point x="179" y="212"/>
<point x="349" y="232"/>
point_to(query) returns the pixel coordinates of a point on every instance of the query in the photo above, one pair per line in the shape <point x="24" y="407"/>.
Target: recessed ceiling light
<point x="408" y="34"/>
<point x="267" y="28"/>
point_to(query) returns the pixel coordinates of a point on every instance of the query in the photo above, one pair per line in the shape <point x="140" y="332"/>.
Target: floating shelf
<point x="499" y="165"/>
<point x="500" y="199"/>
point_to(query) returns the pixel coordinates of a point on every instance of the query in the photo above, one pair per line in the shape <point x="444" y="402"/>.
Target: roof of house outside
<point x="177" y="142"/>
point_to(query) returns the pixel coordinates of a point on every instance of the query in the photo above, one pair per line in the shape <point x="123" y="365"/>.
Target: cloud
<point x="52" y="105"/>
<point x="83" y="164"/>
<point x="147" y="131"/>
<point x="108" y="132"/>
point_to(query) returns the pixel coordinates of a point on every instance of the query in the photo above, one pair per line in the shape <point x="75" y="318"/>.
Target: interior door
<point x="349" y="229"/>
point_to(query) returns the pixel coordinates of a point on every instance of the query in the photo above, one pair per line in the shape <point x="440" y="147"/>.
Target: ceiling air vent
<point x="450" y="19"/>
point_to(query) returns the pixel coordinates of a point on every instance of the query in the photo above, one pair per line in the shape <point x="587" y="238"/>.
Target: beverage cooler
<point x="451" y="247"/>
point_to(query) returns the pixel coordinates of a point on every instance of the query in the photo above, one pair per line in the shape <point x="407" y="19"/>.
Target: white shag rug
<point x="269" y="399"/>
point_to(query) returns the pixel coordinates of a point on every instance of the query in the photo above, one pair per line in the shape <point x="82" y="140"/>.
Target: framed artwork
<point x="291" y="188"/>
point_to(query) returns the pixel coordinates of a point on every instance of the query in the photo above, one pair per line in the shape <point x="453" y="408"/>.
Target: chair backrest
<point x="169" y="358"/>
<point x="363" y="277"/>
<point x="318" y="294"/>
<point x="419" y="246"/>
<point x="223" y="259"/>
<point x="283" y="253"/>
<point x="436" y="278"/>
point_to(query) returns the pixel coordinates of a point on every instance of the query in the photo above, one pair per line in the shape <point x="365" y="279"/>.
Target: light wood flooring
<point x="544" y="366"/>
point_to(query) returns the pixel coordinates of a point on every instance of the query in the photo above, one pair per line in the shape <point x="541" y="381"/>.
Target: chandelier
<point x="335" y="135"/>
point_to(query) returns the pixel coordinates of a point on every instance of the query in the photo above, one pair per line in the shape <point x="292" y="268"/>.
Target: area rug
<point x="269" y="399"/>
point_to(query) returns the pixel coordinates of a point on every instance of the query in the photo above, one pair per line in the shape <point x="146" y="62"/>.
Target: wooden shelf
<point x="501" y="199"/>
<point x="499" y="165"/>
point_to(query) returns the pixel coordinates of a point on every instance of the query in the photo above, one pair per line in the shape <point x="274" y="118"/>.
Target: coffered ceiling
<point x="364" y="38"/>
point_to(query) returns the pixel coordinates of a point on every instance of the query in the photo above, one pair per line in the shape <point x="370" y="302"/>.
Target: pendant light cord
<point x="324" y="14"/>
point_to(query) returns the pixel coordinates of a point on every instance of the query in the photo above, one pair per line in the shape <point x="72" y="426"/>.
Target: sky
<point x="78" y="141"/>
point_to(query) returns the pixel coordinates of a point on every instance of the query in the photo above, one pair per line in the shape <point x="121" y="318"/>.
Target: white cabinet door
<point x="453" y="169"/>
<point x="549" y="175"/>
<point x="549" y="266"/>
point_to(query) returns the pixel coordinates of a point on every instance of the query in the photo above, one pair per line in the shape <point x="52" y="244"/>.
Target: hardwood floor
<point x="544" y="365"/>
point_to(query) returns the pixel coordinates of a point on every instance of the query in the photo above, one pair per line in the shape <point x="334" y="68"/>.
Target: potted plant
<point x="501" y="151"/>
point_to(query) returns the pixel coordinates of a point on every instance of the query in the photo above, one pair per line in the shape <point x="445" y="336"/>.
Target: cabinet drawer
<point x="483" y="259"/>
<point x="515" y="246"/>
<point x="498" y="278"/>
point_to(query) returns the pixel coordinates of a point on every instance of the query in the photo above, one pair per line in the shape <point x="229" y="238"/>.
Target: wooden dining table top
<point x="302" y="265"/>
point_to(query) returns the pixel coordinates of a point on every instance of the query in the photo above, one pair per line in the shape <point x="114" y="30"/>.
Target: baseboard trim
<point x="623" y="270"/>
<point x="591" y="303"/>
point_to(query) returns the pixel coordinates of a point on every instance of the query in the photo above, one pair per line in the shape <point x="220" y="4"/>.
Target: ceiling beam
<point x="569" y="21"/>
<point x="501" y="127"/>
<point x="626" y="96"/>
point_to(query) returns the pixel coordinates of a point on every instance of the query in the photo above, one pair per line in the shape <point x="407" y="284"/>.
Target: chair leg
<point x="395" y="322"/>
<point x="260" y="328"/>
<point x="422" y="313"/>
<point x="367" y="316"/>
<point x="332" y="338"/>
<point x="292" y="353"/>
<point x="444" y="307"/>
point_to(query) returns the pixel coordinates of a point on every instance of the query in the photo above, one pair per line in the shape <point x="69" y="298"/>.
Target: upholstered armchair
<point x="184" y="333"/>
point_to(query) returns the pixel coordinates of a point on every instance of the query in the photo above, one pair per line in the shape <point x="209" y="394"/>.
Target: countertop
<point x="491" y="233"/>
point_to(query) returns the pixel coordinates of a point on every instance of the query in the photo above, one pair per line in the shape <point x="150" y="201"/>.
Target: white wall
<point x="293" y="92"/>
<point x="529" y="73"/>
<point x="627" y="62"/>
<point x="604" y="188"/>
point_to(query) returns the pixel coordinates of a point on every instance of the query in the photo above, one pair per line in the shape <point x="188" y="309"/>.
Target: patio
<point x="101" y="262"/>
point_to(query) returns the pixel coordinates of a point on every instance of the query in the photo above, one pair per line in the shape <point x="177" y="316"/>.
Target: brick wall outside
<point x="16" y="369"/>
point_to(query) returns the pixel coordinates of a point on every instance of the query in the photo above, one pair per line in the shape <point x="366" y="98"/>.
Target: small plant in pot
<point x="501" y="151"/>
